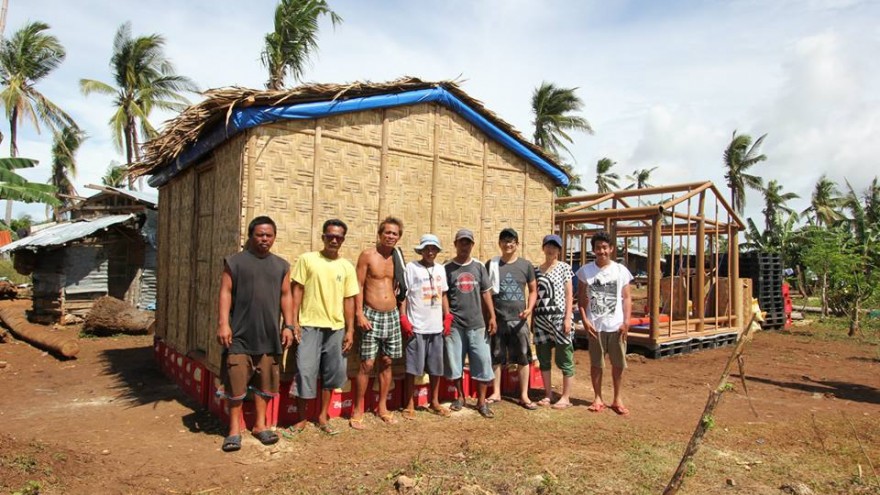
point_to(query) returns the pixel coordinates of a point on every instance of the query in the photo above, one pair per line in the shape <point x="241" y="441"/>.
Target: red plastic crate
<point x="509" y="380"/>
<point x="393" y="401"/>
<point x="473" y="384"/>
<point x="448" y="392"/>
<point x="195" y="380"/>
<point x="536" y="380"/>
<point x="159" y="353"/>
<point x="341" y="401"/>
<point x="288" y="412"/>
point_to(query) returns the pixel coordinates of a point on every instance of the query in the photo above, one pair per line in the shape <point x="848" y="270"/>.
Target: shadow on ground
<point x="841" y="390"/>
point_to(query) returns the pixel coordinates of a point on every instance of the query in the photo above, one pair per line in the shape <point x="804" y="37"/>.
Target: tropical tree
<point x="774" y="203"/>
<point x="573" y="186"/>
<point x="825" y="203"/>
<point x="64" y="148"/>
<point x="554" y="108"/>
<point x="115" y="175"/>
<point x="640" y="178"/>
<point x="27" y="57"/>
<point x="741" y="154"/>
<point x="290" y="46"/>
<point x="606" y="180"/>
<point x="16" y="188"/>
<point x="144" y="80"/>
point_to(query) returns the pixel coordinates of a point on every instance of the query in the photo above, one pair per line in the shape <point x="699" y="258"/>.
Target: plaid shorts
<point x="384" y="337"/>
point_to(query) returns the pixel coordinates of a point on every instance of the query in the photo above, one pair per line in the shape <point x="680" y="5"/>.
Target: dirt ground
<point x="109" y="422"/>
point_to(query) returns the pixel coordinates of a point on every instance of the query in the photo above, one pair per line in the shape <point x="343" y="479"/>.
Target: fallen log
<point x="38" y="335"/>
<point x="110" y="316"/>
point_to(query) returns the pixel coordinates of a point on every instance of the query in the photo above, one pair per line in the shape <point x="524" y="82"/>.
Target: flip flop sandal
<point x="442" y="412"/>
<point x="531" y="406"/>
<point x="357" y="424"/>
<point x="562" y="406"/>
<point x="456" y="405"/>
<point x="328" y="429"/>
<point x="231" y="443"/>
<point x="388" y="418"/>
<point x="596" y="408"/>
<point x="292" y="431"/>
<point x="493" y="401"/>
<point x="485" y="411"/>
<point x="620" y="410"/>
<point x="544" y="402"/>
<point x="408" y="415"/>
<point x="266" y="437"/>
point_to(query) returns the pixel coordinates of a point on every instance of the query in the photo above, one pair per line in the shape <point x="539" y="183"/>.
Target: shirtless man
<point x="378" y="319"/>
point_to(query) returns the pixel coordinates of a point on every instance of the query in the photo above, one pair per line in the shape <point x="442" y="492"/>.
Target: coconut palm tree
<point x="741" y="154"/>
<point x="28" y="56"/>
<point x="115" y="175"/>
<point x="640" y="178"/>
<point x="553" y="108"/>
<point x="605" y="179"/>
<point x="64" y="148"/>
<point x="774" y="203"/>
<point x="825" y="203"/>
<point x="144" y="80"/>
<point x="290" y="46"/>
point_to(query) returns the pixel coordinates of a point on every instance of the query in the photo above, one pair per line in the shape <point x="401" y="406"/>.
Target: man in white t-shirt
<point x="605" y="305"/>
<point x="425" y="319"/>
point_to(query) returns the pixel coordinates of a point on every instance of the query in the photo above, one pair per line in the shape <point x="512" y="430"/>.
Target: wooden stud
<point x="435" y="172"/>
<point x="316" y="160"/>
<point x="655" y="252"/>
<point x="700" y="302"/>
<point x="383" y="169"/>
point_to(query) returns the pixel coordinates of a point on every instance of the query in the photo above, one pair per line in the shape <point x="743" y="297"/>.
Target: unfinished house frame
<point x="688" y="304"/>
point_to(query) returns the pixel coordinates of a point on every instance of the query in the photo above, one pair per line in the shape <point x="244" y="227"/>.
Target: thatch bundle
<point x="218" y="104"/>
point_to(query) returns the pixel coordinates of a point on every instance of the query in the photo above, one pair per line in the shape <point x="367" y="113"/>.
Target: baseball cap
<point x="508" y="233"/>
<point x="464" y="234"/>
<point x="552" y="239"/>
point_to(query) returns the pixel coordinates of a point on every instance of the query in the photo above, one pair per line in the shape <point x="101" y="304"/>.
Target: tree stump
<point x="110" y="316"/>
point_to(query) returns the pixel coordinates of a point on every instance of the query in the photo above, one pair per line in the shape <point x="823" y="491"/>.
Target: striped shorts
<point x="385" y="336"/>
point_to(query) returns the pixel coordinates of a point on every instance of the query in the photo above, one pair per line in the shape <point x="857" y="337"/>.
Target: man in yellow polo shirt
<point x="324" y="288"/>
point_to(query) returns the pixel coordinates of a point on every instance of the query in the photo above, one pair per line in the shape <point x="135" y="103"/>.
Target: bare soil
<point x="110" y="422"/>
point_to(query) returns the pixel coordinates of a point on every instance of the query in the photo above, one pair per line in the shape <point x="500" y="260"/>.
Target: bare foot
<point x="440" y="410"/>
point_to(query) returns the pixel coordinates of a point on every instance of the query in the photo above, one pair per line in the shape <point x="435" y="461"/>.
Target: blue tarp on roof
<point x="61" y="234"/>
<point x="246" y="118"/>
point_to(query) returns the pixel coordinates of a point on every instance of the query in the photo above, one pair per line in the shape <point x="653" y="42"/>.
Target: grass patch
<point x="8" y="271"/>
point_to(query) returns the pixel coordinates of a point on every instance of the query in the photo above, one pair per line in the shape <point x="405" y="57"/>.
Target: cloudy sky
<point x="664" y="83"/>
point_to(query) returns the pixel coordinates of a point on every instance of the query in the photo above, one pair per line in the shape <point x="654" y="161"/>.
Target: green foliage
<point x="606" y="180"/>
<point x="30" y="488"/>
<point x="708" y="421"/>
<point x="16" y="187"/>
<point x="553" y="108"/>
<point x="8" y="271"/>
<point x="289" y="47"/>
<point x="115" y="175"/>
<point x="741" y="154"/>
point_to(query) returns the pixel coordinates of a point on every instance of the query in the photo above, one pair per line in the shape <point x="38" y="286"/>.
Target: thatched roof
<point x="197" y="120"/>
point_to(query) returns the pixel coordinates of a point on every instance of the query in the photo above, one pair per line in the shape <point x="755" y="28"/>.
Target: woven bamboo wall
<point x="303" y="172"/>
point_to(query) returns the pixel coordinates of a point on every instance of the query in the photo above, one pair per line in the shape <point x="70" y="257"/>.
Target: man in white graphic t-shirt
<point x="605" y="305"/>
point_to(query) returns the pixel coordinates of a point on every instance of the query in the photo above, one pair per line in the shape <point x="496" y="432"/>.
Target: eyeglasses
<point x="333" y="237"/>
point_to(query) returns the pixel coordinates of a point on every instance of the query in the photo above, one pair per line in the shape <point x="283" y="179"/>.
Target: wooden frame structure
<point x="695" y="229"/>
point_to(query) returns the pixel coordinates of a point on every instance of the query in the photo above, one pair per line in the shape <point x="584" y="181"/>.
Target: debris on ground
<point x="110" y="316"/>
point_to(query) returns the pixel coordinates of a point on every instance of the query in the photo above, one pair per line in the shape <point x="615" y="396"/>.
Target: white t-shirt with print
<point x="424" y="297"/>
<point x="605" y="289"/>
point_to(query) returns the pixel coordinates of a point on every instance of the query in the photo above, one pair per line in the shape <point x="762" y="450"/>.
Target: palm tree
<point x="144" y="80"/>
<point x="14" y="187"/>
<point x="774" y="203"/>
<point x="289" y="47"/>
<point x="740" y="155"/>
<point x="28" y="56"/>
<point x="605" y="179"/>
<point x="640" y="178"/>
<point x="115" y="175"/>
<point x="64" y="148"/>
<point x="825" y="202"/>
<point x="553" y="107"/>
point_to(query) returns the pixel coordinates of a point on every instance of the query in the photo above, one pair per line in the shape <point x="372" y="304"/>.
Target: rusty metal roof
<point x="63" y="233"/>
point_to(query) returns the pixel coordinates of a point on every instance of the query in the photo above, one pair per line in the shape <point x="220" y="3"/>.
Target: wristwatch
<point x="287" y="326"/>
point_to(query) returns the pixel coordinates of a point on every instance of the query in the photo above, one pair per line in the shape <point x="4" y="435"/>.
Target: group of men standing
<point x="434" y="315"/>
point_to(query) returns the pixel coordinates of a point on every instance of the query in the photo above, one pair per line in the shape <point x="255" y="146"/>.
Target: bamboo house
<point x="691" y="236"/>
<point x="425" y="152"/>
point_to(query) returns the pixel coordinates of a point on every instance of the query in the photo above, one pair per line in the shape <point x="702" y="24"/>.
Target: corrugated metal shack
<point x="108" y="248"/>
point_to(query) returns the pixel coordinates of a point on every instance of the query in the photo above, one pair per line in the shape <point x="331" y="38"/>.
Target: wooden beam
<point x="729" y="209"/>
<point x="654" y="254"/>
<point x="620" y="214"/>
<point x="435" y="175"/>
<point x="588" y="204"/>
<point x="628" y="193"/>
<point x="700" y="302"/>
<point x="383" y="170"/>
<point x="316" y="185"/>
<point x="697" y="190"/>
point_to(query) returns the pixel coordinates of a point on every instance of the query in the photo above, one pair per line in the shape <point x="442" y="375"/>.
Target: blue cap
<point x="552" y="238"/>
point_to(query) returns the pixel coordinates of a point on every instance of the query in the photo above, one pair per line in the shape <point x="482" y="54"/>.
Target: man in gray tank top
<point x="254" y="293"/>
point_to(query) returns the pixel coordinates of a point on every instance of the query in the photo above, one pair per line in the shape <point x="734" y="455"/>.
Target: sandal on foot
<point x="328" y="429"/>
<point x="266" y="437"/>
<point x="231" y="443"/>
<point x="442" y="412"/>
<point x="485" y="411"/>
<point x="562" y="405"/>
<point x="531" y="406"/>
<point x="292" y="431"/>
<point x="388" y="418"/>
<point x="596" y="408"/>
<point x="492" y="401"/>
<point x="357" y="424"/>
<point x="546" y="401"/>
<point x="456" y="405"/>
<point x="621" y="410"/>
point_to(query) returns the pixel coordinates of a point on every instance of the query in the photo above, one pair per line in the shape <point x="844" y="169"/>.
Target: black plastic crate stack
<point x="765" y="270"/>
